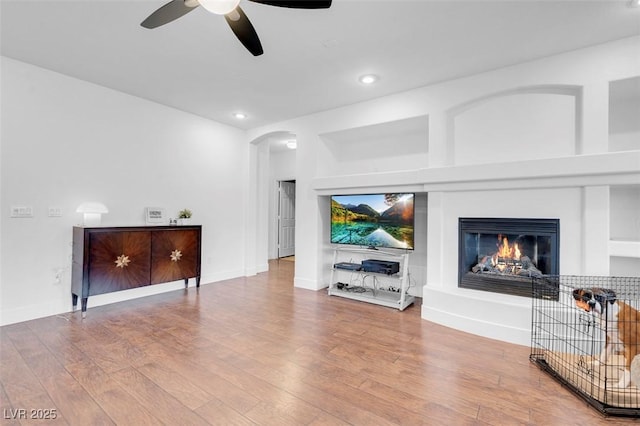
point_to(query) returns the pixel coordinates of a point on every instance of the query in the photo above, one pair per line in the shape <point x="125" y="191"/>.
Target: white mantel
<point x="610" y="168"/>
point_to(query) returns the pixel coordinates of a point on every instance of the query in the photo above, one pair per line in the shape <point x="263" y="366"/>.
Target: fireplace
<point x="502" y="255"/>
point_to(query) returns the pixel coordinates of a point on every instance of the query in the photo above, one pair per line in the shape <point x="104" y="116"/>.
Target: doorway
<point x="286" y="218"/>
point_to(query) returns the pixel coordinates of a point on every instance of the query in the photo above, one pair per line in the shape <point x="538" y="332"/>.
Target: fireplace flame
<point x="506" y="251"/>
<point x="508" y="258"/>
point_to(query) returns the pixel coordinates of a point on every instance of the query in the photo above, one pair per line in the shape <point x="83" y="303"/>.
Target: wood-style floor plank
<point x="149" y="394"/>
<point x="257" y="351"/>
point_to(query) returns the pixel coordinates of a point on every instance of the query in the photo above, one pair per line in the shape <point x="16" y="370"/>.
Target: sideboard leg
<point x="198" y="281"/>
<point x="74" y="302"/>
<point x="186" y="282"/>
<point x="84" y="307"/>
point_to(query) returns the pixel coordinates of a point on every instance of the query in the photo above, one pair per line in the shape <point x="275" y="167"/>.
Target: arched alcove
<point x="525" y="123"/>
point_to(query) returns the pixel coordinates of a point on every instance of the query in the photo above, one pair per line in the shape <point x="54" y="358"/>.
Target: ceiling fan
<point x="233" y="14"/>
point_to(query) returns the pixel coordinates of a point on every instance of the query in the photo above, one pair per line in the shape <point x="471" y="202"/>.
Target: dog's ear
<point x="580" y="294"/>
<point x="577" y="294"/>
<point x="605" y="295"/>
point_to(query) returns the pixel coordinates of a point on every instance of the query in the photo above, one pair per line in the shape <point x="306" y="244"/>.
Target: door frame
<point x="278" y="216"/>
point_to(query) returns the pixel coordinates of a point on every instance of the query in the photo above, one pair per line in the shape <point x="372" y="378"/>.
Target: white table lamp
<point x="92" y="212"/>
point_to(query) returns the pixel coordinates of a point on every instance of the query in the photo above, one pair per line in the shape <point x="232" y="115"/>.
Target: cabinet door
<point x="174" y="255"/>
<point x="119" y="261"/>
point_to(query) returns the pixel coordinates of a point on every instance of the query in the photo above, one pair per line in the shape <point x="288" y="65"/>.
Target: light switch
<point x="21" y="211"/>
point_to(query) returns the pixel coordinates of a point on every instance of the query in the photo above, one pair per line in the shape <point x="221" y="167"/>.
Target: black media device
<point x="381" y="266"/>
<point x="349" y="266"/>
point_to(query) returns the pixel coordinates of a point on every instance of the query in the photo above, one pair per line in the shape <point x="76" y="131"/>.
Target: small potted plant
<point x="184" y="217"/>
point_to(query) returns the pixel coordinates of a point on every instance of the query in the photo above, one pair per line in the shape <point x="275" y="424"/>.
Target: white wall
<point x="282" y="165"/>
<point x="558" y="164"/>
<point x="65" y="141"/>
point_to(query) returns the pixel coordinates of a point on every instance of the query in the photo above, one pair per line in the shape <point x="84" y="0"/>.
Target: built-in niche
<point x="624" y="230"/>
<point x="624" y="110"/>
<point x="417" y="268"/>
<point x="624" y="200"/>
<point x="387" y="147"/>
<point x="523" y="124"/>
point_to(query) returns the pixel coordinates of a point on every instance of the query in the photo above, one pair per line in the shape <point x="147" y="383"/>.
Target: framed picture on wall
<point x="155" y="215"/>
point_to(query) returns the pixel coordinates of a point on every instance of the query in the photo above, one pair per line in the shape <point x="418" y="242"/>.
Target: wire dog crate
<point x="569" y="341"/>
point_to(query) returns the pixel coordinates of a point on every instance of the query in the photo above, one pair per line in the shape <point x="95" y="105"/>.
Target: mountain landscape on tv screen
<point x="361" y="224"/>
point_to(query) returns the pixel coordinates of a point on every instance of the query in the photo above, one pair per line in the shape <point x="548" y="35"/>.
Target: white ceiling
<point x="312" y="57"/>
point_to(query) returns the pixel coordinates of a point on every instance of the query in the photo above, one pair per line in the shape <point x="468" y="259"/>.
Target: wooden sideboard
<point x="120" y="258"/>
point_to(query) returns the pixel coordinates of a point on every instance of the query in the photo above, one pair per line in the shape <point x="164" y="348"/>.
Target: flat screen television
<point x="373" y="220"/>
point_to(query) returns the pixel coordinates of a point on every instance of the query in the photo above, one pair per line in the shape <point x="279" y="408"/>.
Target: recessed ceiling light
<point x="368" y="78"/>
<point x="292" y="144"/>
<point x="634" y="3"/>
<point x="330" y="43"/>
<point x="240" y="115"/>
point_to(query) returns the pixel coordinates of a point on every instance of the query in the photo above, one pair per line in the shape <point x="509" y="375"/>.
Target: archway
<point x="270" y="163"/>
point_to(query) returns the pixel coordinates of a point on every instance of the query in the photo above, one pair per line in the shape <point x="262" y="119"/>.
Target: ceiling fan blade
<point x="243" y="29"/>
<point x="297" y="4"/>
<point x="167" y="13"/>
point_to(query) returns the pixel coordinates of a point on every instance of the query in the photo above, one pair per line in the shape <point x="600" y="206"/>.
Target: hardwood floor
<point x="258" y="351"/>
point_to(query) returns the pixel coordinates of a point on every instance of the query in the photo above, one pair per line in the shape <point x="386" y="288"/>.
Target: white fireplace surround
<point x="576" y="190"/>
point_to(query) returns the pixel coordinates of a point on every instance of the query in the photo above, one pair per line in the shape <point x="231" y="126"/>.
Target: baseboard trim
<point x="308" y="284"/>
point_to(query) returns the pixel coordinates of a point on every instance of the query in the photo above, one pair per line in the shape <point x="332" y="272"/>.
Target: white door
<point x="287" y="219"/>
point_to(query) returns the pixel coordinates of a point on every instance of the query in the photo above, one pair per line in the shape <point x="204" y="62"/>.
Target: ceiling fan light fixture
<point x="233" y="15"/>
<point x="219" y="7"/>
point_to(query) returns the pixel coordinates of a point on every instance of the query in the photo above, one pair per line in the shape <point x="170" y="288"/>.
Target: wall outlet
<point x="59" y="273"/>
<point x="21" y="211"/>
